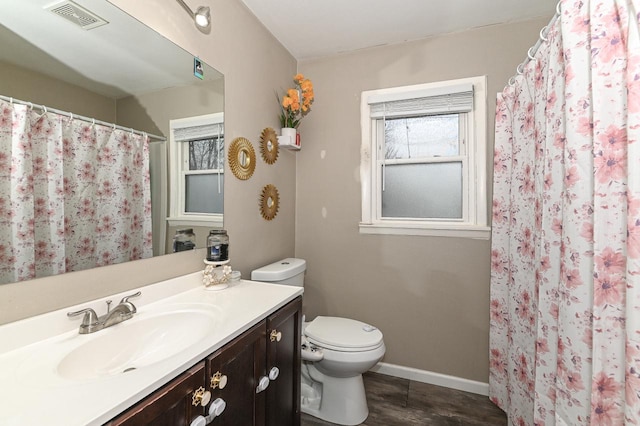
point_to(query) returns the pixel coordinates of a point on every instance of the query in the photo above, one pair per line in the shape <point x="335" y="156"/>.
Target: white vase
<point x="289" y="135"/>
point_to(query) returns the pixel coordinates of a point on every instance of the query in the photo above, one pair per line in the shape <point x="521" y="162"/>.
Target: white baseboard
<point x="432" y="378"/>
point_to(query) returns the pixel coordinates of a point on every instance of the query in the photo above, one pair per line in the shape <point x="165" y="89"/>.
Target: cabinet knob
<point x="263" y="383"/>
<point x="218" y="380"/>
<point x="217" y="407"/>
<point x="275" y="336"/>
<point x="200" y="397"/>
<point x="274" y="373"/>
<point x="199" y="421"/>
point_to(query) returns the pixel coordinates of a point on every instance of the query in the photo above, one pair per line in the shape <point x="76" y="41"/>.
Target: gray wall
<point x="428" y="295"/>
<point x="152" y="111"/>
<point x="254" y="64"/>
<point x="24" y="84"/>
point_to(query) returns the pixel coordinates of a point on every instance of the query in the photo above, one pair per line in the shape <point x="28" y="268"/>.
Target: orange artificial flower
<point x="296" y="102"/>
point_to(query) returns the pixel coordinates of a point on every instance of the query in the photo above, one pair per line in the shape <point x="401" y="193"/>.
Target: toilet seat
<point x="343" y="334"/>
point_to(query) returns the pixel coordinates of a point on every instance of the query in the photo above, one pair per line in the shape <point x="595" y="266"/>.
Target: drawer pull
<point x="218" y="380"/>
<point x="262" y="384"/>
<point x="199" y="421"/>
<point x="217" y="407"/>
<point x="274" y="373"/>
<point x="201" y="397"/>
<point x="275" y="336"/>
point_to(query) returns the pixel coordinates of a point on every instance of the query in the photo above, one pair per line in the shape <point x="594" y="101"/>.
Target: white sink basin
<point x="136" y="343"/>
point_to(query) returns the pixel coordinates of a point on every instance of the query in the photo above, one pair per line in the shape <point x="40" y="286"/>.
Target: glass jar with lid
<point x="217" y="245"/>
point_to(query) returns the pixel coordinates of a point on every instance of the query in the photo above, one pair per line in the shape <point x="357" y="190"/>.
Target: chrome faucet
<point x="91" y="322"/>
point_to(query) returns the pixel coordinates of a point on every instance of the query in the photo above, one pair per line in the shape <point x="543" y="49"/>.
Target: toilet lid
<point x="343" y="334"/>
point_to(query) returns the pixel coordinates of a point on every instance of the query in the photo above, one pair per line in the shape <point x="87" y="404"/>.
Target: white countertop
<point x="33" y="392"/>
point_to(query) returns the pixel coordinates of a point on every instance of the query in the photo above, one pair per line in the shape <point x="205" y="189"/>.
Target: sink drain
<point x="126" y="370"/>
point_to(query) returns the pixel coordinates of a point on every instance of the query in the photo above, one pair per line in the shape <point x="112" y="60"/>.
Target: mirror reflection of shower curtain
<point x="73" y="195"/>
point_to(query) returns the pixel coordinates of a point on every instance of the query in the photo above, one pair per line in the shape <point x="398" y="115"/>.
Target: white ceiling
<point x="316" y="28"/>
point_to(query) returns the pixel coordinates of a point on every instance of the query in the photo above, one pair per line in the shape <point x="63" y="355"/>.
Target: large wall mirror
<point x="92" y="60"/>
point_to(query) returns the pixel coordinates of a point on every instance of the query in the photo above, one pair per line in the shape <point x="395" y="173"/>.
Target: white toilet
<point x="335" y="353"/>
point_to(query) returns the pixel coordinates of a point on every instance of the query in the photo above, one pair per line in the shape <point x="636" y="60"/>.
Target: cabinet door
<point x="172" y="405"/>
<point x="283" y="352"/>
<point x="242" y="362"/>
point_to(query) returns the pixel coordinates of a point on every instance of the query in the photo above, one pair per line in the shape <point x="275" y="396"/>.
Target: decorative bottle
<point x="217" y="245"/>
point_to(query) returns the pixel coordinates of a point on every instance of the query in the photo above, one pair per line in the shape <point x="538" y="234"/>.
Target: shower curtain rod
<point x="81" y="117"/>
<point x="534" y="49"/>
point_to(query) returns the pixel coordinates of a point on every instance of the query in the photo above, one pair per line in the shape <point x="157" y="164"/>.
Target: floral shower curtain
<point x="565" y="284"/>
<point x="73" y="195"/>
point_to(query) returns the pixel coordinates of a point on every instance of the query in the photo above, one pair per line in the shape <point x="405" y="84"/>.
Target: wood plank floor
<point x="400" y="402"/>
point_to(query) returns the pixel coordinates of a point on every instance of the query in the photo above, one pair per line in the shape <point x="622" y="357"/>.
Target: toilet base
<point x="340" y="400"/>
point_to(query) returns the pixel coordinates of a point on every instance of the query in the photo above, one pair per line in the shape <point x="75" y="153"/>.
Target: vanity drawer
<point x="172" y="405"/>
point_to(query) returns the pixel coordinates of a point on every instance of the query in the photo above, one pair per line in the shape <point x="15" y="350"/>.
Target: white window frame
<point x="474" y="222"/>
<point x="178" y="165"/>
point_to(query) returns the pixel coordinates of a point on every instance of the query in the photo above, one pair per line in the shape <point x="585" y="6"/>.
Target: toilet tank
<point x="289" y="271"/>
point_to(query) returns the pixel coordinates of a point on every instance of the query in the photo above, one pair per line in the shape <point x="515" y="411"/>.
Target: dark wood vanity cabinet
<point x="270" y="350"/>
<point x="233" y="373"/>
<point x="283" y="352"/>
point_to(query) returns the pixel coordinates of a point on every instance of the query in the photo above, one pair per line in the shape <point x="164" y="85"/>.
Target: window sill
<point x="432" y="230"/>
<point x="214" y="221"/>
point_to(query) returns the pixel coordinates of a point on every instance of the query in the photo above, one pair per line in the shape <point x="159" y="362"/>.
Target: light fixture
<point x="202" y="15"/>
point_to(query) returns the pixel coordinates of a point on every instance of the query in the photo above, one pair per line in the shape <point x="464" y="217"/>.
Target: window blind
<point x="452" y="99"/>
<point x="185" y="134"/>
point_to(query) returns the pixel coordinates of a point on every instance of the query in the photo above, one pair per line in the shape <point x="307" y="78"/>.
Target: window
<point x="196" y="161"/>
<point x="423" y="165"/>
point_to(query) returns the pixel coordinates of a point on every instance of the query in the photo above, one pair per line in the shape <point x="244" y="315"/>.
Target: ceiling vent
<point x="77" y="14"/>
